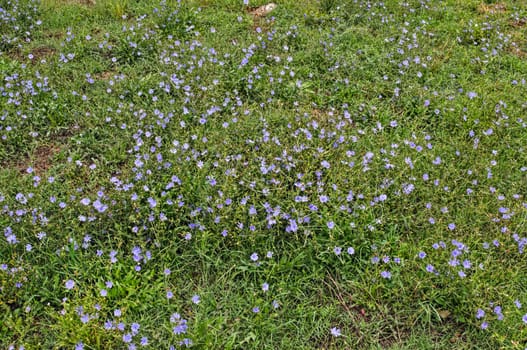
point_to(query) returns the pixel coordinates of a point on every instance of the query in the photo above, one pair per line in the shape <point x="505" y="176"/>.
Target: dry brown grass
<point x="40" y="160"/>
<point x="491" y="8"/>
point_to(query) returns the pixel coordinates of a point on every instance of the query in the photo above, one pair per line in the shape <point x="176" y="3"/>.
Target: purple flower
<point x="524" y="318"/>
<point x="151" y="202"/>
<point x="181" y="328"/>
<point x="335" y="332"/>
<point x="337" y="250"/>
<point x="70" y="284"/>
<point x="256" y="309"/>
<point x="386" y="274"/>
<point x="408" y="188"/>
<point x="265" y="287"/>
<point x="135" y="328"/>
<point x="127" y="337"/>
<point x="196" y="299"/>
<point x="293" y="226"/>
<point x="480" y="314"/>
<point x="351" y="250"/>
<point x="254" y="257"/>
<point x="99" y="206"/>
<point x="451" y="226"/>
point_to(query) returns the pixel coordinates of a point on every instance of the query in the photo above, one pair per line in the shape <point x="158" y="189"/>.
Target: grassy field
<point x="335" y="175"/>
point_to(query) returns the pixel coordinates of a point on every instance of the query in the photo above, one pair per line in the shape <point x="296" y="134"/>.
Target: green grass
<point x="307" y="174"/>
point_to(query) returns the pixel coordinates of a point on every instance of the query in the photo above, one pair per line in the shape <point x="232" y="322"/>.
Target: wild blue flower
<point x="181" y="327"/>
<point x="70" y="284"/>
<point x="480" y="314"/>
<point x="134" y="327"/>
<point x="335" y="332"/>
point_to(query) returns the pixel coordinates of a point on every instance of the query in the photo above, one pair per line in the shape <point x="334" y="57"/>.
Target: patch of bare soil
<point x="79" y="2"/>
<point x="42" y="52"/>
<point x="105" y="75"/>
<point x="40" y="160"/>
<point x="54" y="34"/>
<point x="518" y="52"/>
<point x="492" y="8"/>
<point x="261" y="11"/>
<point x="43" y="157"/>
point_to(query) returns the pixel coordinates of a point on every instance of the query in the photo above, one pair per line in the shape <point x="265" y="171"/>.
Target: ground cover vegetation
<point x="334" y="175"/>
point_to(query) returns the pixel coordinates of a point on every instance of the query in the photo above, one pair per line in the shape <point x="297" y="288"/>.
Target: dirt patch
<point x="35" y="55"/>
<point x="261" y="11"/>
<point x="105" y="75"/>
<point x="39" y="53"/>
<point x="43" y="158"/>
<point x="76" y="2"/>
<point x="518" y="45"/>
<point x="40" y="160"/>
<point x="492" y="8"/>
<point x="54" y="34"/>
<point x="516" y="51"/>
<point x="323" y="117"/>
<point x="519" y="23"/>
